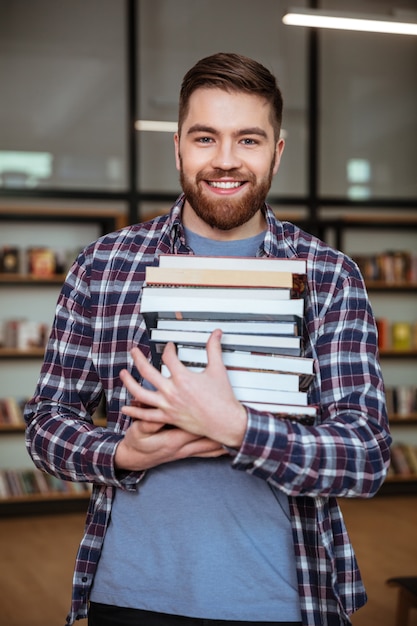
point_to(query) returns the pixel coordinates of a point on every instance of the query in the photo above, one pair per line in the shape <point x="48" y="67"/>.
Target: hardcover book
<point x="250" y="360"/>
<point x="242" y="264"/>
<point x="274" y="344"/>
<point x="256" y="379"/>
<point x="231" y="326"/>
<point x="196" y="277"/>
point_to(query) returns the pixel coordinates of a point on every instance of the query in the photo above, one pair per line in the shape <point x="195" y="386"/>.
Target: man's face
<point x="227" y="155"/>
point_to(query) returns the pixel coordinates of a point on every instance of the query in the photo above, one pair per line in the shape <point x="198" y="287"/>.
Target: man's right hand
<point x="148" y="444"/>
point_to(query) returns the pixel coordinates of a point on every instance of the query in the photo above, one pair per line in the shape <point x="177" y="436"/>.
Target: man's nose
<point x="226" y="156"/>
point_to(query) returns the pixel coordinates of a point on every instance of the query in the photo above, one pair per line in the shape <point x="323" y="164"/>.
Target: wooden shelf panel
<point x="37" y="497"/>
<point x="402" y="479"/>
<point x="403" y="420"/>
<point x="381" y="285"/>
<point x="110" y="217"/>
<point x="12" y="428"/>
<point x="26" y="280"/>
<point x="398" y="354"/>
<point x="15" y="353"/>
<point x="14" y="507"/>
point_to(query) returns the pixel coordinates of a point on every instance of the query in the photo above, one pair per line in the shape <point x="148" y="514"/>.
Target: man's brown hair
<point x="232" y="72"/>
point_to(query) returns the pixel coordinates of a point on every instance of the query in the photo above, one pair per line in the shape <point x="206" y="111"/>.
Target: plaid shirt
<point x="346" y="453"/>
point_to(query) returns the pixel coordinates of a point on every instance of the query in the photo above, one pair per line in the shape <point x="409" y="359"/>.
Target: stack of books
<point x="259" y="306"/>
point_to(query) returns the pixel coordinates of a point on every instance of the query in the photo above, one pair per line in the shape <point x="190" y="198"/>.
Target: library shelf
<point x="104" y="219"/>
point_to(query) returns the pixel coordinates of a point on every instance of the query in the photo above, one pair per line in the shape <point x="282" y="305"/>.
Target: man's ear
<point x="279" y="149"/>
<point x="177" y="150"/>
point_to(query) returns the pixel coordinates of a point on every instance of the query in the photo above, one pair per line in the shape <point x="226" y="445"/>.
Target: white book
<point x="281" y="344"/>
<point x="216" y="293"/>
<point x="276" y="396"/>
<point x="250" y="360"/>
<point x="230" y="326"/>
<point x="289" y="409"/>
<point x="248" y="378"/>
<point x="266" y="264"/>
<point x="154" y="301"/>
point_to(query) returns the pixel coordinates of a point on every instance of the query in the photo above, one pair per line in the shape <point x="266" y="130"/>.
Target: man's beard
<point x="226" y="213"/>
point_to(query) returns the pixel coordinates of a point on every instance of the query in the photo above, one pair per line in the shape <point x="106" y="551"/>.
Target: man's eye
<point x="248" y="142"/>
<point x="204" y="139"/>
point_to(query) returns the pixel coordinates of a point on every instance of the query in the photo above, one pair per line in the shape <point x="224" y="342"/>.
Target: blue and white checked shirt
<point x="345" y="454"/>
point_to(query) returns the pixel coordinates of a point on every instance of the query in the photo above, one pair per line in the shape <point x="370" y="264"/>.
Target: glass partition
<point x="63" y="95"/>
<point x="368" y="105"/>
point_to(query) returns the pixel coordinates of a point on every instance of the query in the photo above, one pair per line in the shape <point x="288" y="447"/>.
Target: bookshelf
<point x="61" y="229"/>
<point x="375" y="241"/>
<point x="351" y="233"/>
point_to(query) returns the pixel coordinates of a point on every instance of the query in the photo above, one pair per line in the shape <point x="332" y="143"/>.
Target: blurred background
<point x="88" y="107"/>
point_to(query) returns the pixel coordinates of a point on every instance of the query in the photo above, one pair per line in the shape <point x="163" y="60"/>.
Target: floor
<point x="37" y="555"/>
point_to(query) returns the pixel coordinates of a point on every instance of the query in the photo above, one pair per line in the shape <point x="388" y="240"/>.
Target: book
<point x="219" y="294"/>
<point x="250" y="360"/>
<point x="399" y="461"/>
<point x="9" y="260"/>
<point x="203" y="277"/>
<point x="410" y="453"/>
<point x="277" y="344"/>
<point x="270" y="396"/>
<point x="243" y="264"/>
<point x="231" y="326"/>
<point x="292" y="409"/>
<point x="253" y="378"/>
<point x="42" y="262"/>
<point x="401" y="336"/>
<point x="156" y="302"/>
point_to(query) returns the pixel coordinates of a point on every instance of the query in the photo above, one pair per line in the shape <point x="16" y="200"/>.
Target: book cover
<point x="199" y="277"/>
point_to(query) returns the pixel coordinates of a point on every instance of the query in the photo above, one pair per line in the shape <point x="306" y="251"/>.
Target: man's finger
<point x="214" y="349"/>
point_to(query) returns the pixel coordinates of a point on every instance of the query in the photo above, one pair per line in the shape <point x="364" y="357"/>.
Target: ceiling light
<point x="157" y="126"/>
<point x="321" y="18"/>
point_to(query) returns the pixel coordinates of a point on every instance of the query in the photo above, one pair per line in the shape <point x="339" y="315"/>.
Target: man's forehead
<point x="214" y="106"/>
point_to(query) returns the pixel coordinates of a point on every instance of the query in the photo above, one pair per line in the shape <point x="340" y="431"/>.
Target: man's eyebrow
<point x="202" y="128"/>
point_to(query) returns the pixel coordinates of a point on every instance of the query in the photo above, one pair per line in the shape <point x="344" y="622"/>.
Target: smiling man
<point x="228" y="517"/>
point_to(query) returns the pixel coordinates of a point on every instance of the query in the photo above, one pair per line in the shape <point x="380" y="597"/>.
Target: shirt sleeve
<point x="346" y="452"/>
<point x="61" y="437"/>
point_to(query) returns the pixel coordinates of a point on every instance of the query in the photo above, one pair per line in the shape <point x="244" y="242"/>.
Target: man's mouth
<point x="218" y="184"/>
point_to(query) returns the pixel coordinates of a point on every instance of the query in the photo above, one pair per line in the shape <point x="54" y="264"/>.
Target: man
<point x="229" y="516"/>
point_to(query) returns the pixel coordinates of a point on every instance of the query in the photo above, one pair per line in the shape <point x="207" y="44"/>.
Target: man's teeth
<point x="225" y="185"/>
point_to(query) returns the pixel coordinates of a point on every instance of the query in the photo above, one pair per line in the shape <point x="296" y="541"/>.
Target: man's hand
<point x="200" y="406"/>
<point x="148" y="444"/>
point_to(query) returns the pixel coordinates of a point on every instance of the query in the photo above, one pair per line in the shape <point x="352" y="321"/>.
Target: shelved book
<point x="404" y="460"/>
<point x="22" y="482"/>
<point x="257" y="303"/>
